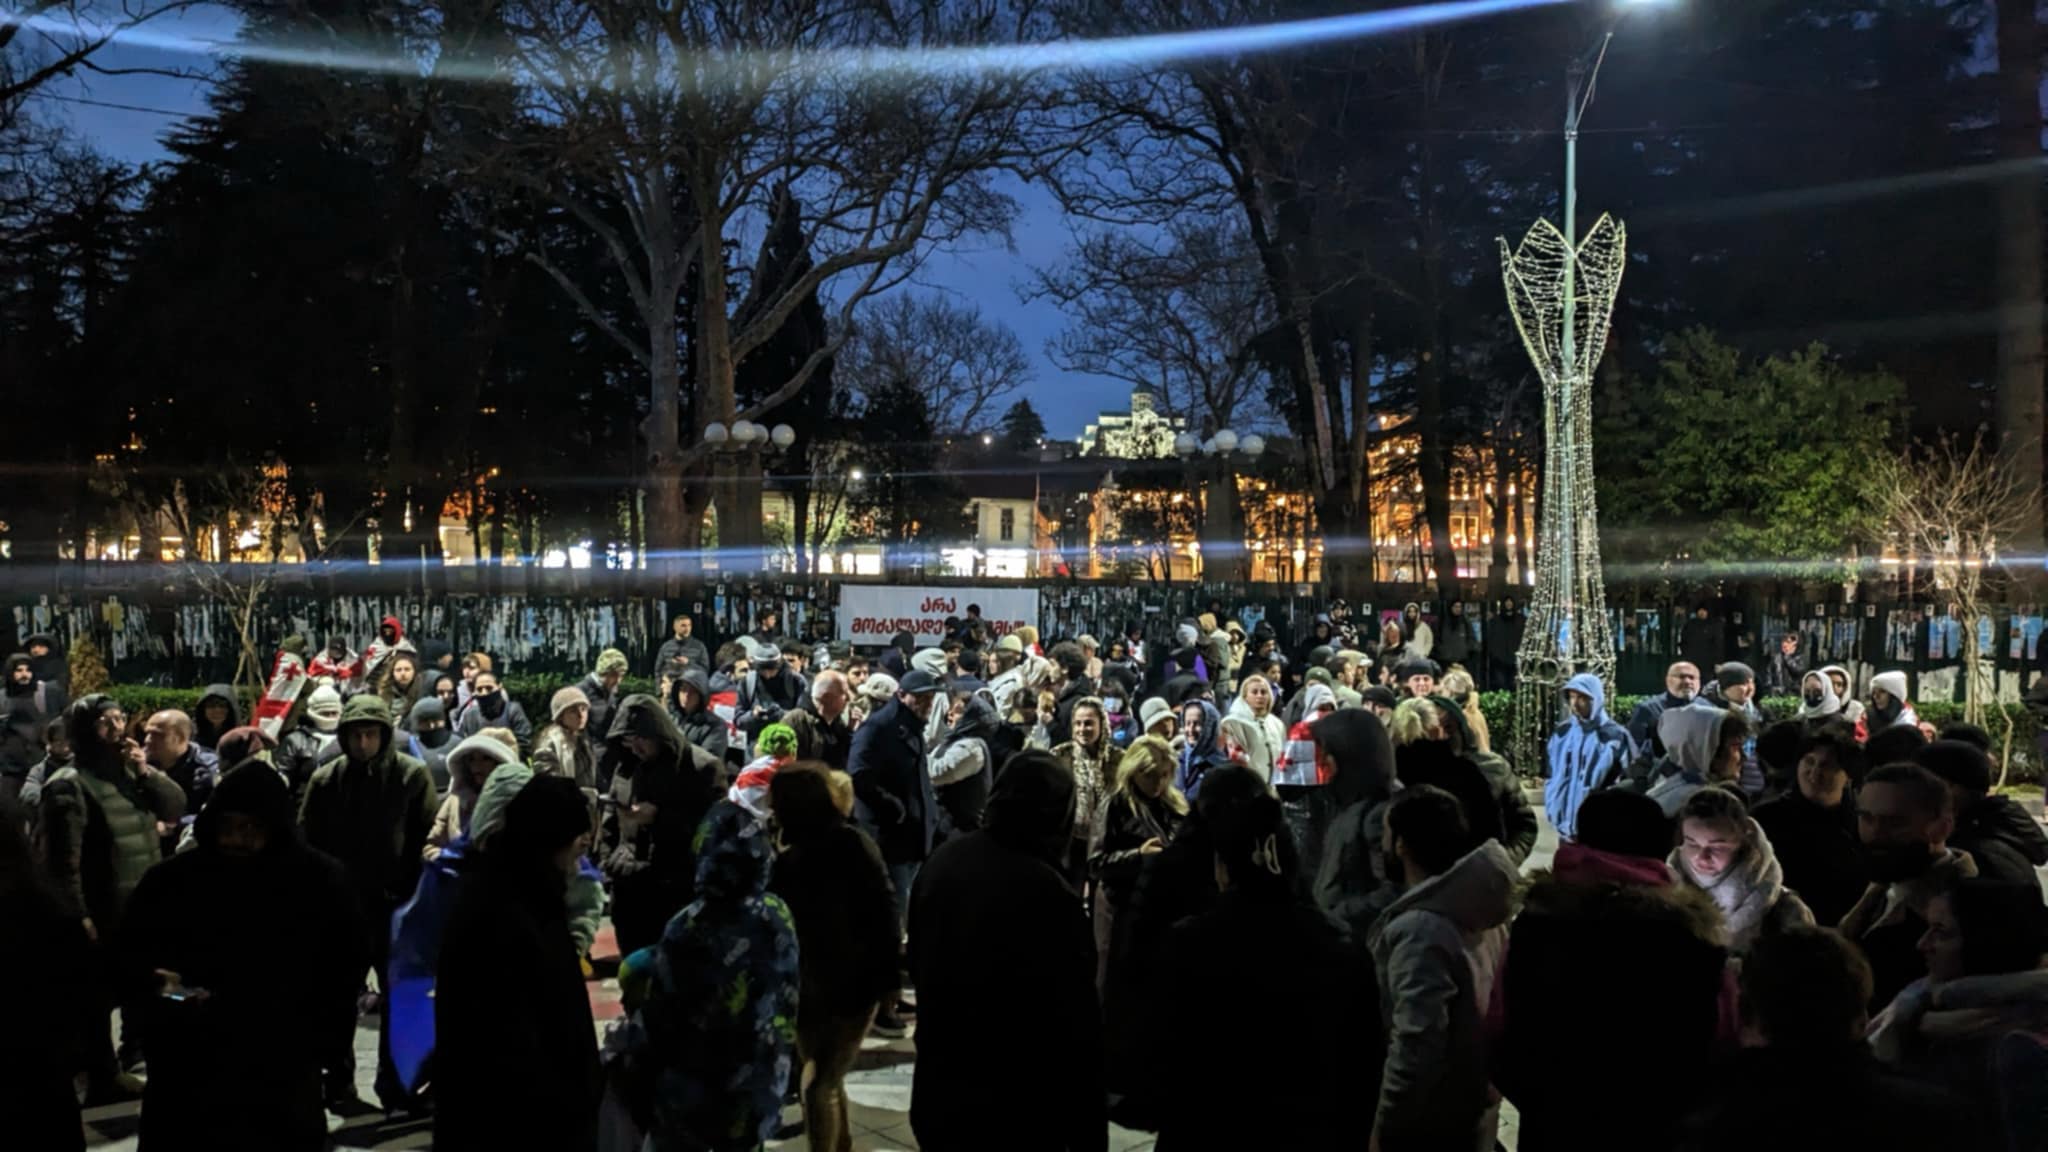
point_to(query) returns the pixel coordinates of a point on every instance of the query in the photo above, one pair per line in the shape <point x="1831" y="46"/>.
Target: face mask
<point x="434" y="738"/>
<point x="1894" y="863"/>
<point x="1813" y="699"/>
<point x="492" y="705"/>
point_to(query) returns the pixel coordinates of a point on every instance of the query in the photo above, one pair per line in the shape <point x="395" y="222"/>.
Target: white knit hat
<point x="324" y="706"/>
<point x="1892" y="683"/>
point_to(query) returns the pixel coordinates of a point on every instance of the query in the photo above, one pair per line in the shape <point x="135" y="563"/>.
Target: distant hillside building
<point x="1142" y="433"/>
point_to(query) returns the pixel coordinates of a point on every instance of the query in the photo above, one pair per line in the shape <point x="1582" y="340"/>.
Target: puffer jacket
<point x="96" y="826"/>
<point x="1436" y="950"/>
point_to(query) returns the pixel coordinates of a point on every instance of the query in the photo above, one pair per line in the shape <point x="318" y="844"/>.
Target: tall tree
<point x="906" y="497"/>
<point x="964" y="362"/>
<point x="1023" y="430"/>
<point x="2020" y="382"/>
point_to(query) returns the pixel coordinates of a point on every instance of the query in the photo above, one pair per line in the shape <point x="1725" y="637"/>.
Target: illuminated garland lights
<point x="1549" y="286"/>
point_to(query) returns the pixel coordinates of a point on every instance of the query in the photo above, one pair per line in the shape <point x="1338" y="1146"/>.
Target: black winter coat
<point x="838" y="892"/>
<point x="44" y="956"/>
<point x="1820" y="851"/>
<point x="1008" y="1040"/>
<point x="2006" y="843"/>
<point x="1170" y="887"/>
<point x="516" y="1049"/>
<point x="892" y="785"/>
<point x="1246" y="939"/>
<point x="1433" y="762"/>
<point x="652" y="864"/>
<point x="277" y="942"/>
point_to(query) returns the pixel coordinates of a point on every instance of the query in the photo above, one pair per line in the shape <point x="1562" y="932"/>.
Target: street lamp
<point x="736" y="444"/>
<point x="1221" y="445"/>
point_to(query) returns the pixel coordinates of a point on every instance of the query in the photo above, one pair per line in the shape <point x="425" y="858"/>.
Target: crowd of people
<point x="1083" y="876"/>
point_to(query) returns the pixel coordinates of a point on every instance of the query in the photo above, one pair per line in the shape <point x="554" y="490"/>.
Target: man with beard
<point x="491" y="707"/>
<point x="26" y="707"/>
<point x="681" y="650"/>
<point x="1904" y="816"/>
<point x="99" y="826"/>
<point x="390" y="638"/>
<point x="1681" y="687"/>
<point x="371" y="808"/>
<point x="768" y="690"/>
<point x="167" y="743"/>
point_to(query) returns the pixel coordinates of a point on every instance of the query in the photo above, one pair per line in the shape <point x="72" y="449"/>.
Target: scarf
<point x="1746" y="890"/>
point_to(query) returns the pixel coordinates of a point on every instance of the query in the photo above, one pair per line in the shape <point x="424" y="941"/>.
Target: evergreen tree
<point x="907" y="496"/>
<point x="1021" y="429"/>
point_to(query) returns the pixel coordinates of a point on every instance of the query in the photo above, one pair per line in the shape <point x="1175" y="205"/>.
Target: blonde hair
<point x="1247" y="733"/>
<point x="842" y="791"/>
<point x="1244" y="688"/>
<point x="1413" y="722"/>
<point x="1146" y="757"/>
<point x="1457" y="684"/>
<point x="503" y="736"/>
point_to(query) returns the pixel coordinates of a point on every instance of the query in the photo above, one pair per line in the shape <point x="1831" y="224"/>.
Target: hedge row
<point x="1499" y="709"/>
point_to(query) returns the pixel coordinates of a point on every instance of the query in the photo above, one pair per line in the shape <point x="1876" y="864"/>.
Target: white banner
<point x="870" y="614"/>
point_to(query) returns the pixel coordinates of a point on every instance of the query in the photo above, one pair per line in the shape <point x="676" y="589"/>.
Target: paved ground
<point x="879" y="1088"/>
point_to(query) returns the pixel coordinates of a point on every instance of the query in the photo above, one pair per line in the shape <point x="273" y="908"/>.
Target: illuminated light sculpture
<point x="1561" y="295"/>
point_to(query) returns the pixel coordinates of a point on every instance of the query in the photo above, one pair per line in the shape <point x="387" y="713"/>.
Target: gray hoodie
<point x="1691" y="739"/>
<point x="1436" y="951"/>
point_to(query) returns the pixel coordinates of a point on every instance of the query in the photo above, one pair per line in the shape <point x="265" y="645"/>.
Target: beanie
<point x="1734" y="674"/>
<point x="568" y="698"/>
<point x="609" y="661"/>
<point x="1892" y="683"/>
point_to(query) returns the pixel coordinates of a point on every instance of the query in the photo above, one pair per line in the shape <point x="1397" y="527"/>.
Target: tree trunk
<point x="668" y="532"/>
<point x="2018" y="259"/>
<point x="1357" y="531"/>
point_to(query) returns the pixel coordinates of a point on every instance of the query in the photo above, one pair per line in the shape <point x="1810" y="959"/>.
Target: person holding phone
<point x="242" y="954"/>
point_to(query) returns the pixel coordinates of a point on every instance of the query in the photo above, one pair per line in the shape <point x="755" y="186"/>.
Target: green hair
<point x="776" y="740"/>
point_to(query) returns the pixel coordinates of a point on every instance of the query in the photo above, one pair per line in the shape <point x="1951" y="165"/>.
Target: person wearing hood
<point x="1586" y="753"/>
<point x="1216" y="652"/>
<point x="168" y="746"/>
<point x="1817" y="700"/>
<point x="1418" y="640"/>
<point x="516" y="1058"/>
<point x="1201" y="749"/>
<point x="1812" y="826"/>
<point x="470" y="764"/>
<point x="1905" y="815"/>
<point x="1425" y="752"/>
<point x="1681" y="688"/>
<point x="1137" y="818"/>
<point x="1889" y="707"/>
<point x="240" y="955"/>
<point x="430" y="739"/>
<point x="217" y="711"/>
<point x="1256" y="702"/>
<point x="1806" y="1076"/>
<point x="1852" y="708"/>
<point x="1734" y="690"/>
<point x="1984" y="983"/>
<point x="1119" y="703"/>
<point x="1296" y="769"/>
<point x="96" y="828"/>
<point x="658" y="796"/>
<point x="2006" y="843"/>
<point x="1008" y="1039"/>
<point x="833" y="878"/>
<point x="390" y="639"/>
<point x="564" y="747"/>
<point x="1656" y="1018"/>
<point x="1346" y="832"/>
<point x="1706" y="751"/>
<point x="1262" y="925"/>
<point x="490" y="706"/>
<point x="27" y="706"/>
<point x="371" y="807"/>
<point x="1436" y="951"/>
<point x="312" y="741"/>
<point x="689" y="706"/>
<point x="716" y="1037"/>
<point x="962" y="767"/>
<point x="47" y="660"/>
<point x="1723" y="852"/>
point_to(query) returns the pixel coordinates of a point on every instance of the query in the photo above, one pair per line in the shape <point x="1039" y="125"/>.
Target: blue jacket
<point x="1584" y="756"/>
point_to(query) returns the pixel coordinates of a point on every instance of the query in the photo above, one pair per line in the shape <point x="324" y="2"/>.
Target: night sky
<point x="988" y="275"/>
